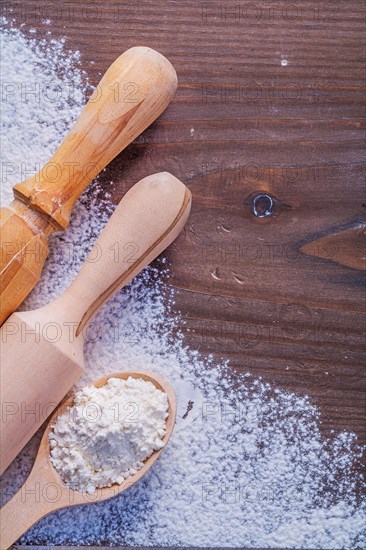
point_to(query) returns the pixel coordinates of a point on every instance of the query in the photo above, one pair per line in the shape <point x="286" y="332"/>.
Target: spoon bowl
<point x="44" y="491"/>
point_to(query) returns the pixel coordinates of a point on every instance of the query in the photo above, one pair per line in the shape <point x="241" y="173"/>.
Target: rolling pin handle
<point x="134" y="91"/>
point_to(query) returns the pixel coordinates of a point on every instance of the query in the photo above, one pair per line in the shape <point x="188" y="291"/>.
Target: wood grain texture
<point x="243" y="120"/>
<point x="345" y="247"/>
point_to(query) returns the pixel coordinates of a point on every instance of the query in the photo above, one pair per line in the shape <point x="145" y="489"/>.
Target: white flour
<point x="108" y="433"/>
<point x="41" y="95"/>
<point x="245" y="467"/>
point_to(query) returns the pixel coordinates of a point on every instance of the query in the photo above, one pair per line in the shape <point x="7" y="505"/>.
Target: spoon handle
<point x="32" y="502"/>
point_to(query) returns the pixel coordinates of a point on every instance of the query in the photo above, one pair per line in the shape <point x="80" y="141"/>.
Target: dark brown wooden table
<point x="267" y="129"/>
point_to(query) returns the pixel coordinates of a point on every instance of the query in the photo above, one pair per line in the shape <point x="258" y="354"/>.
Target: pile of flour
<point x="107" y="434"/>
<point x="248" y="466"/>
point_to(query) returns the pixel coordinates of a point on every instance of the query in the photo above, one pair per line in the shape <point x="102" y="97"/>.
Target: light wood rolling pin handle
<point x="149" y="217"/>
<point x="134" y="91"/>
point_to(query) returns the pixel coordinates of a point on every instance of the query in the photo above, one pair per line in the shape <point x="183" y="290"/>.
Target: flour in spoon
<point x="107" y="434"/>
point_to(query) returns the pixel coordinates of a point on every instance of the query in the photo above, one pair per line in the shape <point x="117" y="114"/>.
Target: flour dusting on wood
<point x="246" y="466"/>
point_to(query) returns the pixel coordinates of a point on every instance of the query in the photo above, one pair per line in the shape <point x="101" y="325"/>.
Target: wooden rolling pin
<point x="42" y="351"/>
<point x="134" y="91"/>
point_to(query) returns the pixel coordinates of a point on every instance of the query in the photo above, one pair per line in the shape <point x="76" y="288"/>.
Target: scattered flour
<point x="245" y="467"/>
<point x="108" y="433"/>
<point x="41" y="96"/>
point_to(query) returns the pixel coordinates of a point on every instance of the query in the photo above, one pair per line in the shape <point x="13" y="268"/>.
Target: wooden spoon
<point x="44" y="491"/>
